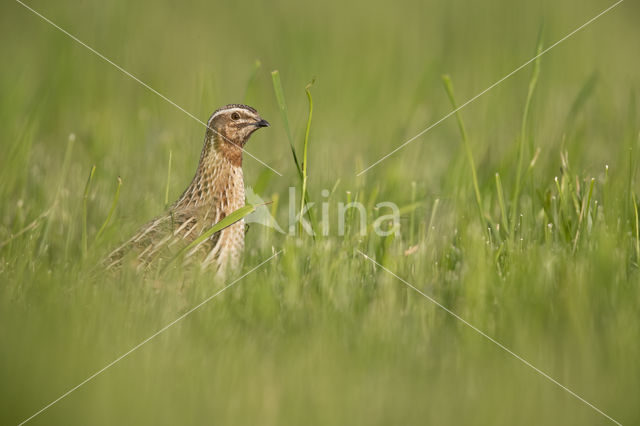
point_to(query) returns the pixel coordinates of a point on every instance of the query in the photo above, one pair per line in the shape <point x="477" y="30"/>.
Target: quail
<point x="217" y="189"/>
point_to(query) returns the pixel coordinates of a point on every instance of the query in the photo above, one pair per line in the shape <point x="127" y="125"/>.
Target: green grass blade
<point x="304" y="200"/>
<point x="523" y="135"/>
<point x="448" y="85"/>
<point x="434" y="211"/>
<point x="85" y="198"/>
<point x="282" y="105"/>
<point x="277" y="87"/>
<point x="111" y="210"/>
<point x="254" y="73"/>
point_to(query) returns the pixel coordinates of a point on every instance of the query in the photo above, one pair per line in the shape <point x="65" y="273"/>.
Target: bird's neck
<point x="218" y="181"/>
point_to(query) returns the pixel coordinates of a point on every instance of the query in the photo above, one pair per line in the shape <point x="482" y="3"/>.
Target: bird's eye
<point x="235" y="116"/>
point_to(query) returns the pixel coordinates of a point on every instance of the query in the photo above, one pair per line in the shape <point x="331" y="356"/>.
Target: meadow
<point x="519" y="213"/>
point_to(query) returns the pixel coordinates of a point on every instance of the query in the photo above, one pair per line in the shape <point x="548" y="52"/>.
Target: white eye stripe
<point x="238" y="110"/>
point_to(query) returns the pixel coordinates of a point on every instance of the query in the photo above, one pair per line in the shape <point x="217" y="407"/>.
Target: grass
<point x="320" y="335"/>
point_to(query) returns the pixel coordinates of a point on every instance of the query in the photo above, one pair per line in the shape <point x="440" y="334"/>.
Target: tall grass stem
<point x="85" y="199"/>
<point x="114" y="203"/>
<point x="303" y="198"/>
<point x="523" y="136"/>
<point x="448" y="85"/>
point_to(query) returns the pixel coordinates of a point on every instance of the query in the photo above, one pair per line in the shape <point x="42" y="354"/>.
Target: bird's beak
<point x="262" y="123"/>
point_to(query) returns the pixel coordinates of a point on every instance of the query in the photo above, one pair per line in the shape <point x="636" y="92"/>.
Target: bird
<point x="216" y="190"/>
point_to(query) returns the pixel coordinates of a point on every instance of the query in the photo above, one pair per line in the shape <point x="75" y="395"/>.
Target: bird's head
<point x="233" y="124"/>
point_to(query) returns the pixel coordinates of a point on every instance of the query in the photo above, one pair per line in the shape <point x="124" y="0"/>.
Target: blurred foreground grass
<point x="320" y="336"/>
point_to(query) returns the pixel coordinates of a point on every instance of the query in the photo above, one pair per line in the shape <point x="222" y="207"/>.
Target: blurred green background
<point x="320" y="336"/>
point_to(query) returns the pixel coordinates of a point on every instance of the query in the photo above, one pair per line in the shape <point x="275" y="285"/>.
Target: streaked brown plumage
<point x="216" y="190"/>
